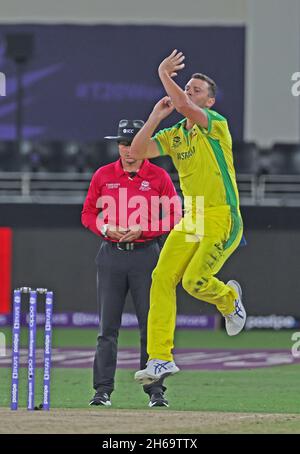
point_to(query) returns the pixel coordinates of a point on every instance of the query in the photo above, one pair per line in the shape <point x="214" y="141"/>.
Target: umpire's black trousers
<point x="117" y="272"/>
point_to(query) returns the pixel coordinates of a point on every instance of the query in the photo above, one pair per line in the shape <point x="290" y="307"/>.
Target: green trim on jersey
<point x="204" y="161"/>
<point x="209" y="122"/>
<point x="211" y="116"/>
<point x="229" y="190"/>
<point x="181" y="124"/>
<point x="237" y="224"/>
<point x="160" y="148"/>
<point x="219" y="154"/>
<point x="214" y="115"/>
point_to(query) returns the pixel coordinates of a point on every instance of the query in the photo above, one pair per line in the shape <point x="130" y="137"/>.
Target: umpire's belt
<point x="123" y="246"/>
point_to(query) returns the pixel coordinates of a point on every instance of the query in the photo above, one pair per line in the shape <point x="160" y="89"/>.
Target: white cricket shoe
<point x="235" y="321"/>
<point x="156" y="369"/>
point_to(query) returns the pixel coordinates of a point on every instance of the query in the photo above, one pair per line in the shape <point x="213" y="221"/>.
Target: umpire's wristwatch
<point x="103" y="230"/>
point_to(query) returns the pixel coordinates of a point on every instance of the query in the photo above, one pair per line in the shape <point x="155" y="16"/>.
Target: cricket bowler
<point x="200" y="146"/>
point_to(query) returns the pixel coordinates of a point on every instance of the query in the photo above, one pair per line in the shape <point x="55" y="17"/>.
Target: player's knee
<point x="164" y="279"/>
<point x="194" y="286"/>
<point x="155" y="275"/>
<point x="188" y="284"/>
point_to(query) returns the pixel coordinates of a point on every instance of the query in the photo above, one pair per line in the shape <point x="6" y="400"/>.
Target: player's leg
<point x="112" y="287"/>
<point x="199" y="278"/>
<point x="174" y="258"/>
<point x="143" y="262"/>
<point x="172" y="262"/>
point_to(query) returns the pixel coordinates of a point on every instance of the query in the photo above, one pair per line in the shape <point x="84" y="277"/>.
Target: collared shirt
<point x="119" y="199"/>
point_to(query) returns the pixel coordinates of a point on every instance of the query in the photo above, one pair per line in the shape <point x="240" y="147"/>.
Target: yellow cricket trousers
<point x="195" y="263"/>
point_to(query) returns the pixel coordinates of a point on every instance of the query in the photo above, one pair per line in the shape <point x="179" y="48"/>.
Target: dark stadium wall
<point x="51" y="249"/>
<point x="83" y="79"/>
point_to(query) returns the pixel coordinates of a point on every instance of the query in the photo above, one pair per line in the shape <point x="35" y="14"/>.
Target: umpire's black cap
<point x="127" y="130"/>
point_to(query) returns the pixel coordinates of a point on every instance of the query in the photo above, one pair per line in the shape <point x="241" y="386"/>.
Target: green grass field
<point x="266" y="390"/>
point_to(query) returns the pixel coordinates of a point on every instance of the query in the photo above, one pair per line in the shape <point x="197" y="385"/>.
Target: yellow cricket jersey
<point x="203" y="159"/>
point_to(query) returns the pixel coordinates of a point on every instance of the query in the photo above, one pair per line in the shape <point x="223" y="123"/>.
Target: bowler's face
<point x="197" y="90"/>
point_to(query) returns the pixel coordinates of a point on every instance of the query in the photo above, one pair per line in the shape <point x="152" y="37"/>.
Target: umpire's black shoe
<point x="101" y="399"/>
<point x="158" y="400"/>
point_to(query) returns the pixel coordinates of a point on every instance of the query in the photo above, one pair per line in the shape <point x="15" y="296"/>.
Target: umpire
<point x="129" y="252"/>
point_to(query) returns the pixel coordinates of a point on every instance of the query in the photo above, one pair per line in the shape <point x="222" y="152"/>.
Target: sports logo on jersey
<point x="112" y="185"/>
<point x="145" y="186"/>
<point x="176" y="142"/>
<point x="186" y="154"/>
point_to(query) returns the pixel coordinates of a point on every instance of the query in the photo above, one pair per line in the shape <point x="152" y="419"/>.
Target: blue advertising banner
<point x="82" y="80"/>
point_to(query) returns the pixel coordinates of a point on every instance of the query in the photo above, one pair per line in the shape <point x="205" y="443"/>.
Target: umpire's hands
<point x="116" y="232"/>
<point x="133" y="233"/>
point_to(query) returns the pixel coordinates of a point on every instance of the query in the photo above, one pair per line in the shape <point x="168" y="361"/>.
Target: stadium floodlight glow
<point x="2" y="84"/>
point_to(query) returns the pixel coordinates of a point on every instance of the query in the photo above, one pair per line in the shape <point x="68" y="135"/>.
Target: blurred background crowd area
<point x="72" y="72"/>
<point x="62" y="171"/>
<point x="73" y="69"/>
<point x="73" y="156"/>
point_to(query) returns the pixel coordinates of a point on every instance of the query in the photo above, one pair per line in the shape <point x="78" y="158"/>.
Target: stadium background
<point x="95" y="63"/>
<point x="92" y="66"/>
